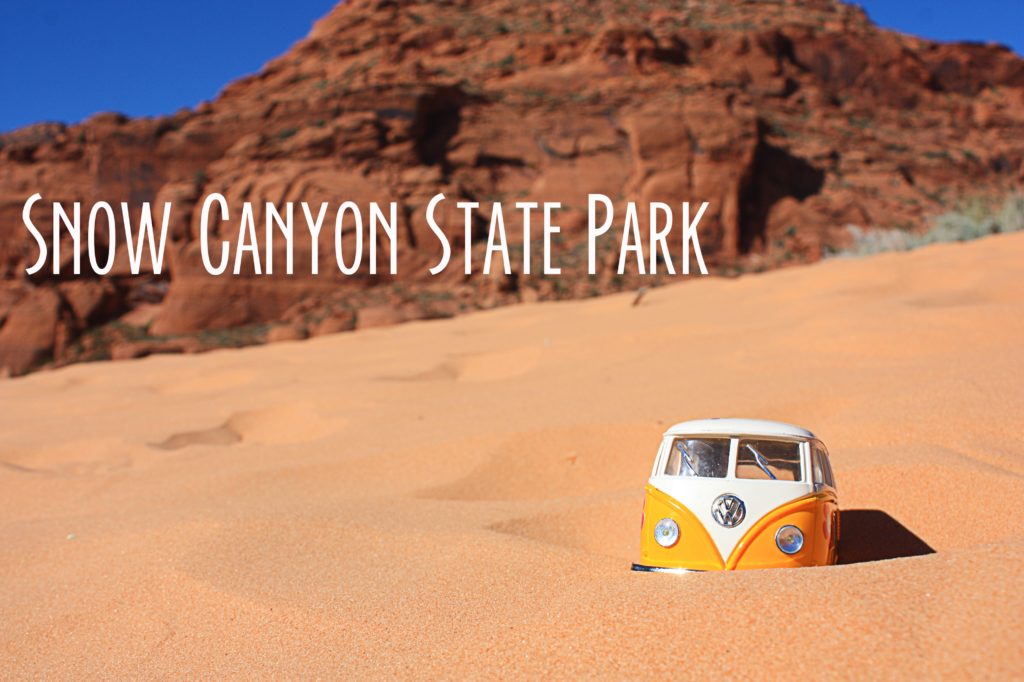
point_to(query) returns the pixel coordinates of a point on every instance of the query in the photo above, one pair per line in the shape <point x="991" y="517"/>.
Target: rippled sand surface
<point x="462" y="497"/>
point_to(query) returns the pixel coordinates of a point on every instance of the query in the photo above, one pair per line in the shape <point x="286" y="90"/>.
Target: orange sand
<point x="462" y="497"/>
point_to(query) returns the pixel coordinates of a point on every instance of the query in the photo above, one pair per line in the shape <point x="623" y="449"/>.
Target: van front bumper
<point x="662" y="569"/>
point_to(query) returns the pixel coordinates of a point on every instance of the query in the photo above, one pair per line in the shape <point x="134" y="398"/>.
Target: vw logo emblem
<point x="728" y="510"/>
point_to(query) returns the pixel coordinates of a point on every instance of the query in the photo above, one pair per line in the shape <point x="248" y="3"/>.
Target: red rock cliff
<point x="792" y="118"/>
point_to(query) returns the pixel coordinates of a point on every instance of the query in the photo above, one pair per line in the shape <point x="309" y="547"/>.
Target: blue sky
<point x="64" y="60"/>
<point x="1000" y="21"/>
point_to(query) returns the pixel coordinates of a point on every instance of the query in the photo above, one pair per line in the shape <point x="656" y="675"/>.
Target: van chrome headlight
<point x="666" y="532"/>
<point x="789" y="539"/>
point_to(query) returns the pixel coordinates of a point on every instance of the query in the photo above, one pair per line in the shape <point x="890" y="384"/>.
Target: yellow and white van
<point x="739" y="493"/>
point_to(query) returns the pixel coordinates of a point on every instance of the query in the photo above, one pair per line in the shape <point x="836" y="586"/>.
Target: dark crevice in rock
<point x="773" y="174"/>
<point x="436" y="121"/>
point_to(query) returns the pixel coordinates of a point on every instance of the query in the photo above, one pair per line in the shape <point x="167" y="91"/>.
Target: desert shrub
<point x="977" y="220"/>
<point x="973" y="220"/>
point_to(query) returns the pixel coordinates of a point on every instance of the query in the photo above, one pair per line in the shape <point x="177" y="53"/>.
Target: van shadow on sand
<point x="873" y="535"/>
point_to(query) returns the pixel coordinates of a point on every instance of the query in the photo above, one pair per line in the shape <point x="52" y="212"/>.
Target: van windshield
<point x="703" y="457"/>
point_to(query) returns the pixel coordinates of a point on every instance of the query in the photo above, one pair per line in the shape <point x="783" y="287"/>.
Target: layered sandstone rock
<point x="792" y="118"/>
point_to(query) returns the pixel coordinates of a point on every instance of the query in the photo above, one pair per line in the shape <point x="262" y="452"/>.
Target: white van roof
<point x="738" y="427"/>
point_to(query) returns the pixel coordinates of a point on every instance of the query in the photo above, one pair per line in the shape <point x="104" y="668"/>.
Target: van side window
<point x="820" y="465"/>
<point x="817" y="472"/>
<point x="829" y="478"/>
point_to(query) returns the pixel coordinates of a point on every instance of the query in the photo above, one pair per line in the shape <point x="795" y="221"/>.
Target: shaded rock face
<point x="791" y="118"/>
<point x="773" y="174"/>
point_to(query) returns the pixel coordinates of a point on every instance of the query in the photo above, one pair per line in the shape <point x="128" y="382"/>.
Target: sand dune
<point x="462" y="497"/>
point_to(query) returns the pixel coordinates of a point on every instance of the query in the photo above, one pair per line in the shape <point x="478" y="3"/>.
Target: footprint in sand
<point x="952" y="299"/>
<point x="606" y="525"/>
<point x="484" y="367"/>
<point x="281" y="425"/>
<point x="218" y="435"/>
<point x="300" y="423"/>
<point x="561" y="462"/>
<point x="81" y="458"/>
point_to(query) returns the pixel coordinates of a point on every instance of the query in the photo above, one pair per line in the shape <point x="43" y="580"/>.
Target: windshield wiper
<point x="761" y="461"/>
<point x="686" y="458"/>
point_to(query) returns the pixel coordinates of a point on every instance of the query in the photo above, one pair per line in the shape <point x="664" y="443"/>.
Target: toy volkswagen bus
<point x="739" y="493"/>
